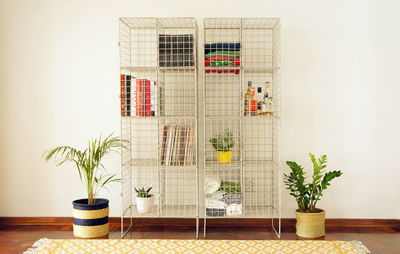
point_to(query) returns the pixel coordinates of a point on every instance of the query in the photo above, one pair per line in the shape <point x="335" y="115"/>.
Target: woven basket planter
<point x="310" y="225"/>
<point x="90" y="220"/>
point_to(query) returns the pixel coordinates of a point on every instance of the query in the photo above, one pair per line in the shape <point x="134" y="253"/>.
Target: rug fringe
<point x="39" y="245"/>
<point x="360" y="247"/>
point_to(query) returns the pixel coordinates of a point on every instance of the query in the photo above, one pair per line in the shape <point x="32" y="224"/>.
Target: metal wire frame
<point x="160" y="53"/>
<point x="255" y="162"/>
<point x="256" y="158"/>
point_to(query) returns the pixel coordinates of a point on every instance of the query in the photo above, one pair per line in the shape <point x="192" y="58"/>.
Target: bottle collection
<point x="258" y="100"/>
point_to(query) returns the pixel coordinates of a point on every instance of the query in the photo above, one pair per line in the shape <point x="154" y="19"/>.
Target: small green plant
<point x="89" y="162"/>
<point x="223" y="142"/>
<point x="308" y="194"/>
<point x="143" y="193"/>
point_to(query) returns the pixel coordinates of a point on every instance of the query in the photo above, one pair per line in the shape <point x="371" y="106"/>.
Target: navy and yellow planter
<point x="90" y="220"/>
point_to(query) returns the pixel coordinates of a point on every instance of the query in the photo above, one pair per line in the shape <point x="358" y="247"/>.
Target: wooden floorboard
<point x="16" y="239"/>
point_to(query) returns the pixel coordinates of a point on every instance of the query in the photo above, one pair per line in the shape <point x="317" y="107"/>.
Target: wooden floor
<point x="16" y="239"/>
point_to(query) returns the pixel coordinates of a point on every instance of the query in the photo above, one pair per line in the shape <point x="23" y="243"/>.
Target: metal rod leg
<point x="197" y="228"/>
<point x="205" y="227"/>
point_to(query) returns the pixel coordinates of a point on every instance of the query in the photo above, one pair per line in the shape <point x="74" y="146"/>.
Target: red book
<point x="138" y="93"/>
<point x="147" y="98"/>
<point x="122" y="94"/>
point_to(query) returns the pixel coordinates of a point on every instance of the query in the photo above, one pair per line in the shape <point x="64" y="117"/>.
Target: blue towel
<point x="221" y="47"/>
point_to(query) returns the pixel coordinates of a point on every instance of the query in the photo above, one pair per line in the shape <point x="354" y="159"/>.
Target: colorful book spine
<point x="139" y="97"/>
<point x="122" y="94"/>
<point x="128" y="94"/>
<point x="143" y="97"/>
<point x="147" y="98"/>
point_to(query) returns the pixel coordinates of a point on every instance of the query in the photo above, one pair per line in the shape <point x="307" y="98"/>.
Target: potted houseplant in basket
<point x="310" y="219"/>
<point x="144" y="200"/>
<point x="90" y="215"/>
<point x="224" y="143"/>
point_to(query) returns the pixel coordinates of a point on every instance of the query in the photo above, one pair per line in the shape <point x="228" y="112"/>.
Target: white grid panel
<point x="244" y="51"/>
<point x="159" y="115"/>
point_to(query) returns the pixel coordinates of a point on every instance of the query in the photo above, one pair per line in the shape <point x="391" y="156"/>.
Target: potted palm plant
<point x="90" y="215"/>
<point x="310" y="219"/>
<point x="224" y="143"/>
<point x="144" y="200"/>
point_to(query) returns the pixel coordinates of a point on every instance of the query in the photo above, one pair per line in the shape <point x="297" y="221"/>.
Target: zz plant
<point x="89" y="162"/>
<point x="143" y="193"/>
<point x="308" y="194"/>
<point x="223" y="142"/>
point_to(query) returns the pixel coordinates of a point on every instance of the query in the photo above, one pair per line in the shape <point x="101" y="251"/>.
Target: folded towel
<point x="223" y="53"/>
<point x="221" y="63"/>
<point x="232" y="198"/>
<point x="219" y="195"/>
<point x="236" y="71"/>
<point x="215" y="212"/>
<point x="221" y="58"/>
<point x="211" y="185"/>
<point x="216" y="204"/>
<point x="234" y="210"/>
<point x="230" y="187"/>
<point x="221" y="46"/>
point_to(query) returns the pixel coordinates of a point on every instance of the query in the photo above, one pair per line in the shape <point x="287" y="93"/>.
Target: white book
<point x="133" y="96"/>
<point x="176" y="143"/>
<point x="187" y="137"/>
<point x="155" y="98"/>
<point x="169" y="145"/>
<point x="152" y="98"/>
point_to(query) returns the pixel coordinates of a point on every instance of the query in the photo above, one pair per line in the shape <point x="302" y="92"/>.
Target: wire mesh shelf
<point x="241" y="115"/>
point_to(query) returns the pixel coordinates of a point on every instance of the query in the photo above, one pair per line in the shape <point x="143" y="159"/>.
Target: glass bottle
<point x="248" y="97"/>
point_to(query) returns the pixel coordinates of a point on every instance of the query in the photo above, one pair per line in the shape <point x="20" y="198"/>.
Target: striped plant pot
<point x="90" y="220"/>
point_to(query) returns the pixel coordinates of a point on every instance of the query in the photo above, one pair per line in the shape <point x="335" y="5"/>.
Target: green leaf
<point x="307" y="194"/>
<point x="88" y="161"/>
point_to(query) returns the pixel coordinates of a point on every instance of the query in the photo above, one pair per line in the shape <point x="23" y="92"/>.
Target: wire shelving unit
<point x="159" y="116"/>
<point x="239" y="52"/>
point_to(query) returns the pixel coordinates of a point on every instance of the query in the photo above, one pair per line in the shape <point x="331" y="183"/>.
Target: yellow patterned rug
<point x="148" y="246"/>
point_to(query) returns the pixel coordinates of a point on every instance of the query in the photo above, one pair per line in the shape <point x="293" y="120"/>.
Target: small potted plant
<point x="90" y="215"/>
<point x="144" y="200"/>
<point x="224" y="143"/>
<point x="310" y="219"/>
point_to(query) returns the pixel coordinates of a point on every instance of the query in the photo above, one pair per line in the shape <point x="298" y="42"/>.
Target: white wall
<point x="59" y="85"/>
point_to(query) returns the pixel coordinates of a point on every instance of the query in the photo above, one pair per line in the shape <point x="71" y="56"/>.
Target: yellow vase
<point x="310" y="225"/>
<point x="224" y="157"/>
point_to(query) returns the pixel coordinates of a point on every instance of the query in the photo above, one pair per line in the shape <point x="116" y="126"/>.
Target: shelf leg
<point x="197" y="228"/>
<point x="205" y="227"/>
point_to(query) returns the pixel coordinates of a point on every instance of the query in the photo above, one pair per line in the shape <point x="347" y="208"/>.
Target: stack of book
<point x="176" y="50"/>
<point x="140" y="102"/>
<point x="178" y="145"/>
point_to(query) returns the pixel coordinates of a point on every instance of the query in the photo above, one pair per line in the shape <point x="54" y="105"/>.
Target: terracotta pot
<point x="310" y="225"/>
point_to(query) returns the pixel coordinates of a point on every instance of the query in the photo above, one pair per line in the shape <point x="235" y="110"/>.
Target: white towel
<point x="215" y="204"/>
<point x="234" y="210"/>
<point x="211" y="185"/>
<point x="218" y="195"/>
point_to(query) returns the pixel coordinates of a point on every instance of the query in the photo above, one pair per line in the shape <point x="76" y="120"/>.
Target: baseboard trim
<point x="115" y="222"/>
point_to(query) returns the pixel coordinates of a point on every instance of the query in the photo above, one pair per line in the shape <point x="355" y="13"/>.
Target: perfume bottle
<point x="266" y="106"/>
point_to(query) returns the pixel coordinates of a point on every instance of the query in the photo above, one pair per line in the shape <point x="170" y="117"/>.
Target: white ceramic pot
<point x="144" y="205"/>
